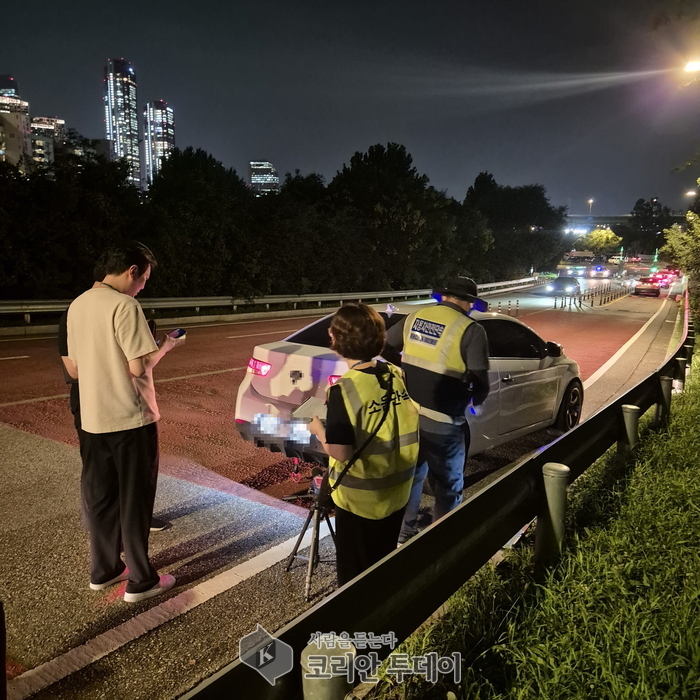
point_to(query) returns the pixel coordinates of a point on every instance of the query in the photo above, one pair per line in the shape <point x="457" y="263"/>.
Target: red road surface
<point x="198" y="434"/>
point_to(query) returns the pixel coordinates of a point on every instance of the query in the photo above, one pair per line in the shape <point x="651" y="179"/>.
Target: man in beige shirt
<point x="112" y="352"/>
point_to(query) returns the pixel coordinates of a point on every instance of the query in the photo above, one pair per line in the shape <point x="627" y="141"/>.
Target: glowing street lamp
<point x="692" y="67"/>
<point x="691" y="193"/>
<point x="590" y="206"/>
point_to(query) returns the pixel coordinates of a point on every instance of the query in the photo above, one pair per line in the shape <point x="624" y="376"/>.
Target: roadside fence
<point x="29" y="308"/>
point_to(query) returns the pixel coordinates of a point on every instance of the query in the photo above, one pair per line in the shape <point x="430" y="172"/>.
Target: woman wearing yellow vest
<point x="372" y="427"/>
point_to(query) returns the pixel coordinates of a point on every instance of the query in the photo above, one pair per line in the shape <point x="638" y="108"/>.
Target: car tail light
<point x="259" y="367"/>
<point x="334" y="378"/>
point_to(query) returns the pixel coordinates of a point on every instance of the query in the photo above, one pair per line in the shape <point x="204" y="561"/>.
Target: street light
<point x="691" y="193"/>
<point x="590" y="206"/>
<point x="692" y="67"/>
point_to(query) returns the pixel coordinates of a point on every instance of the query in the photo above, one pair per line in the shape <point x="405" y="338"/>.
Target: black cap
<point x="460" y="287"/>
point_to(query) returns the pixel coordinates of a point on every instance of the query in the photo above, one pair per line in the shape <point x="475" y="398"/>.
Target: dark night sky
<point x="579" y="97"/>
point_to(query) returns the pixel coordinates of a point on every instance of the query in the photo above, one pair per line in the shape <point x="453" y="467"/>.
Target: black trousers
<point x="361" y="542"/>
<point x="119" y="478"/>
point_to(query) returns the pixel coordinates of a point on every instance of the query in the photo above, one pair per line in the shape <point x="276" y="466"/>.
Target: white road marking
<point x="156" y="381"/>
<point x="41" y="398"/>
<point x="602" y="370"/>
<point x="322" y="312"/>
<point x="201" y="374"/>
<point x="16" y="357"/>
<point x="254" y="335"/>
<point x="28" y="337"/>
<point x="76" y="659"/>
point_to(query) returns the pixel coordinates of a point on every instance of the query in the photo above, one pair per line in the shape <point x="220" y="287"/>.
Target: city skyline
<point x="585" y="101"/>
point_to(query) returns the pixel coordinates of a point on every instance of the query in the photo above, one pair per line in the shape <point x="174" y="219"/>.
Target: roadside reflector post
<point x="517" y="307"/>
<point x="509" y="306"/>
<point x="27" y="318"/>
<point x="679" y="374"/>
<point x="549" y="534"/>
<point x="499" y="307"/>
<point x="316" y="660"/>
<point x="662" y="414"/>
<point x="629" y="433"/>
<point x="555" y="302"/>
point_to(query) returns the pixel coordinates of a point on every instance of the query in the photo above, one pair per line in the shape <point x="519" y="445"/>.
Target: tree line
<point x="377" y="225"/>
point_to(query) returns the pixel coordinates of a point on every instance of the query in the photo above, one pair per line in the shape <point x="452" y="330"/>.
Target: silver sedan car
<point x="533" y="385"/>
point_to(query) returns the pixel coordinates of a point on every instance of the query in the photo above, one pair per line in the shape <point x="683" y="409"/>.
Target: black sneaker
<point x="157" y="524"/>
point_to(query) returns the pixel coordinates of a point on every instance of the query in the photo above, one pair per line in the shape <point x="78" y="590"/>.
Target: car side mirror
<point x="554" y="349"/>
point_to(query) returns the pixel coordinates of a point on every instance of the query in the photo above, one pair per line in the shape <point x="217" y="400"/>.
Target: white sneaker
<point x="99" y="586"/>
<point x="165" y="584"/>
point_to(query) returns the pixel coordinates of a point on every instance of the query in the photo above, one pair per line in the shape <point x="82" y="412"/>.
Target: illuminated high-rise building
<point x="48" y="135"/>
<point x="15" y="132"/>
<point x="121" y="115"/>
<point x="263" y="177"/>
<point x="51" y="127"/>
<point x="159" y="136"/>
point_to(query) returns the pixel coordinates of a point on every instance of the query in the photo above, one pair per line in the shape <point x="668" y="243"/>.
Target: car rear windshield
<point x="566" y="280"/>
<point x="317" y="333"/>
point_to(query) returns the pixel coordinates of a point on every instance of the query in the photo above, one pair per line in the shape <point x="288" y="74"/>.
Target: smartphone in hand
<point x="179" y="334"/>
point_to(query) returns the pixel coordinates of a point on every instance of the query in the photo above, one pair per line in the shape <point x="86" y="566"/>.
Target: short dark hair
<point x="358" y="332"/>
<point x="120" y="258"/>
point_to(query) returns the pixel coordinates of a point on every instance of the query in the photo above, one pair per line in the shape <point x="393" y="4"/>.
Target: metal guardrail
<point x="403" y="590"/>
<point x="28" y="307"/>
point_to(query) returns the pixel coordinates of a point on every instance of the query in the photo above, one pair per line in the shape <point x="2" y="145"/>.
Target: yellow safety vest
<point x="379" y="482"/>
<point x="433" y="363"/>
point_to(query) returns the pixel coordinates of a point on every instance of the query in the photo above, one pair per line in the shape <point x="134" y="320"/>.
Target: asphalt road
<point x="230" y="530"/>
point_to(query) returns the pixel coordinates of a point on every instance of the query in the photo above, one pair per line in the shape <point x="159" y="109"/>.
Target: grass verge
<point x="619" y="617"/>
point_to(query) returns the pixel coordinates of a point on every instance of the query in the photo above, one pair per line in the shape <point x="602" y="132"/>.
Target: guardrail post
<point x="549" y="534"/>
<point x="27" y="318"/>
<point x="630" y="429"/>
<point x="688" y="350"/>
<point x="662" y="415"/>
<point x="679" y="374"/>
<point x="315" y="657"/>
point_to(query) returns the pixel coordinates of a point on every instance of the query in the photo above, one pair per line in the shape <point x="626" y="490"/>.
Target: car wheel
<point x="570" y="409"/>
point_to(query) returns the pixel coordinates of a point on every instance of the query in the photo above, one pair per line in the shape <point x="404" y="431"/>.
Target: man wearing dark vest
<point x="446" y="361"/>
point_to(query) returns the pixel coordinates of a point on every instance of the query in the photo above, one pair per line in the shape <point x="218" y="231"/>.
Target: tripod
<point x="318" y="512"/>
